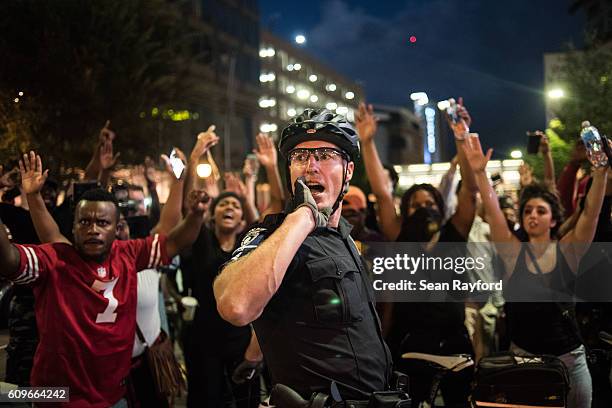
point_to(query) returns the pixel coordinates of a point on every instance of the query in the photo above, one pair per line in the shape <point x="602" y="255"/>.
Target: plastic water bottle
<point x="593" y="143"/>
<point x="458" y="125"/>
<point x="452" y="110"/>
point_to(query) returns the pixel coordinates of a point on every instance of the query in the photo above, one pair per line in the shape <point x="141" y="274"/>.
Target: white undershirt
<point x="147" y="309"/>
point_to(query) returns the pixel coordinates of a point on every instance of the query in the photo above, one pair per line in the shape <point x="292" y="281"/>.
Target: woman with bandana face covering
<point x="436" y="328"/>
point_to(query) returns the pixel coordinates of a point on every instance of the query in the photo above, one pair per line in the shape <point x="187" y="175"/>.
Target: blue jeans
<point x="122" y="403"/>
<point x="581" y="385"/>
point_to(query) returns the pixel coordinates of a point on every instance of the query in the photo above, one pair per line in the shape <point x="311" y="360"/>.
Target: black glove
<point x="302" y="197"/>
<point x="247" y="370"/>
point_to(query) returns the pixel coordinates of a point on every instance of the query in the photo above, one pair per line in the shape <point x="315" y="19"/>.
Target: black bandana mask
<point x="422" y="224"/>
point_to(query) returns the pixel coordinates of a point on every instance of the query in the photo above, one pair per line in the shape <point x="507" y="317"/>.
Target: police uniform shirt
<point x="321" y="326"/>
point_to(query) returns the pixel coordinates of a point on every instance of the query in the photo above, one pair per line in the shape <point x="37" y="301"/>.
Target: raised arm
<point x="244" y="286"/>
<point x="155" y="207"/>
<point x="390" y="222"/>
<point x="268" y="157"/>
<point x="567" y="178"/>
<point x="500" y="232"/>
<point x="249" y="171"/>
<point x="171" y="214"/>
<point x="32" y="180"/>
<point x="584" y="231"/>
<point x="205" y="141"/>
<point x="466" y="210"/>
<point x="526" y="175"/>
<point x="448" y="183"/>
<point x="549" y="165"/>
<point x="186" y="232"/>
<point x="94" y="167"/>
<point x="9" y="255"/>
<point x="108" y="160"/>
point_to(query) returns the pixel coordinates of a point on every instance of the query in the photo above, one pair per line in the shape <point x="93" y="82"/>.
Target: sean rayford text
<point x="425" y="285"/>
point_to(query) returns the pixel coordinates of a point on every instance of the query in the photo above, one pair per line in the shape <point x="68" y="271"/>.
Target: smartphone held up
<point x="533" y="142"/>
<point x="177" y="164"/>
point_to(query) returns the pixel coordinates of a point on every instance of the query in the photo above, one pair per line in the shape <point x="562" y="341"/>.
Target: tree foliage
<point x="80" y="62"/>
<point x="587" y="78"/>
<point x="561" y="152"/>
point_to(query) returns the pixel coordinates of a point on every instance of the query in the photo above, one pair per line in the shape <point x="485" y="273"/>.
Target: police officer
<point x="300" y="279"/>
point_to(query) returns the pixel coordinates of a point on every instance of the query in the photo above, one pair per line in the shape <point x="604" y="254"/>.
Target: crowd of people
<point x="100" y="269"/>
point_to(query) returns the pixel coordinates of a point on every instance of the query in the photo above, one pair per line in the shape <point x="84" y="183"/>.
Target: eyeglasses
<point x="321" y="154"/>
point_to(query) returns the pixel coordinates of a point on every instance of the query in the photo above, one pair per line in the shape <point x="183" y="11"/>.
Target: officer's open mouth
<point x="316" y="188"/>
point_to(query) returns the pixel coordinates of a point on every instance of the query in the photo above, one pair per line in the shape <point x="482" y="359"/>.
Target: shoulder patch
<point x="251" y="236"/>
<point x="250" y="241"/>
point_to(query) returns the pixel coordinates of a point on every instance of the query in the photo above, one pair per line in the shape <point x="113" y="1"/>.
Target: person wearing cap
<point x="299" y="278"/>
<point x="354" y="210"/>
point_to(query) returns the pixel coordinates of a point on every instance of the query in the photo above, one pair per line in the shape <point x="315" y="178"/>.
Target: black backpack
<point x="507" y="378"/>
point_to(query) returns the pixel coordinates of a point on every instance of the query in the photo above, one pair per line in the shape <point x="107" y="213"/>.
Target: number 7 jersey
<point x="86" y="314"/>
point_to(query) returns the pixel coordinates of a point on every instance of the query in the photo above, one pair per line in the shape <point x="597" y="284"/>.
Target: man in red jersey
<point x="86" y="294"/>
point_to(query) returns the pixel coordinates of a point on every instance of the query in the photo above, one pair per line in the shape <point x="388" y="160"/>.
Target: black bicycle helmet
<point x="320" y="124"/>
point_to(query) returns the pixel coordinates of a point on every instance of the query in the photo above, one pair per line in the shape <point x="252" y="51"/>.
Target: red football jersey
<point x="86" y="314"/>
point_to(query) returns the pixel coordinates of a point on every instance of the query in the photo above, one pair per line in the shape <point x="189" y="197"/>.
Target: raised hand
<point x="197" y="201"/>
<point x="474" y="155"/>
<point x="526" y="174"/>
<point x="32" y="175"/>
<point x="106" y="135"/>
<point x="168" y="165"/>
<point x="205" y="141"/>
<point x="149" y="169"/>
<point x="462" y="126"/>
<point x="544" y="143"/>
<point x="108" y="160"/>
<point x="211" y="186"/>
<point x="463" y="113"/>
<point x="234" y="184"/>
<point x="266" y="151"/>
<point x="578" y="152"/>
<point x="250" y="168"/>
<point x="365" y="121"/>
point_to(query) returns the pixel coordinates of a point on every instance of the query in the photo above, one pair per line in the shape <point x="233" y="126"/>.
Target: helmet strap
<point x="344" y="189"/>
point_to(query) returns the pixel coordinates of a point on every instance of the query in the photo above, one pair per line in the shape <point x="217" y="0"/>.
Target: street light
<point x="415" y="96"/>
<point x="204" y="170"/>
<point x="443" y="105"/>
<point x="516" y="154"/>
<point x="420" y="98"/>
<point x="556" y="93"/>
<point x="300" y="39"/>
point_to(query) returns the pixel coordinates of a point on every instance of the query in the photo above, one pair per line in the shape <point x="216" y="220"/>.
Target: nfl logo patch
<point x="102" y="272"/>
<point x="311" y="131"/>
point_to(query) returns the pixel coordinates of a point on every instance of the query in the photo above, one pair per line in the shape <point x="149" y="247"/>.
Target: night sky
<point x="489" y="52"/>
